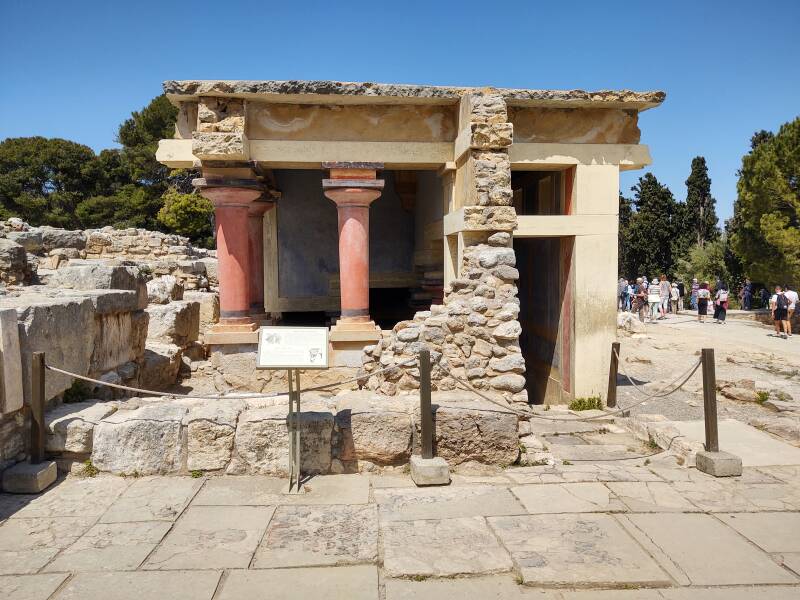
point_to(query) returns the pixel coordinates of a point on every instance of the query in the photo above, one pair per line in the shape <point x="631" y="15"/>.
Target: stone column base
<point x="348" y="340"/>
<point x="232" y="333"/>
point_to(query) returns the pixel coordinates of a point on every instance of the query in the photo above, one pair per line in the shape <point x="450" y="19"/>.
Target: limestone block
<point x="209" y="307"/>
<point x="719" y="464"/>
<point x="13" y="261"/>
<point x="174" y="323"/>
<point x="116" y="340"/>
<point x="211" y="428"/>
<point x="483" y="108"/>
<point x="62" y="238"/>
<point x="430" y="471"/>
<point x="147" y="440"/>
<point x="11" y="363"/>
<point x="70" y="427"/>
<point x="509" y="363"/>
<point x="375" y="428"/>
<point x="30" y="240"/>
<point x="469" y="430"/>
<point x="160" y="366"/>
<point x="630" y="323"/>
<point x="491" y="257"/>
<point x="584" y="126"/>
<point x="95" y="276"/>
<point x="63" y="328"/>
<point x="510" y="330"/>
<point x="220" y="146"/>
<point x="491" y="173"/>
<point x="164" y="289"/>
<point x="490" y="218"/>
<point x="13" y="438"/>
<point x="27" y="478"/>
<point x="261" y="444"/>
<point x="212" y="272"/>
<point x="508" y="382"/>
<point x="486" y="136"/>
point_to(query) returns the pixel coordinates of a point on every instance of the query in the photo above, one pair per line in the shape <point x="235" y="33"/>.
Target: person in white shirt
<point x="791" y="295"/>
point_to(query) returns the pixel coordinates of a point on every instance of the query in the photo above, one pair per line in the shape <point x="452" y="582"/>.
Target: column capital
<point x="352" y="196"/>
<point x="259" y="208"/>
<point x="228" y="193"/>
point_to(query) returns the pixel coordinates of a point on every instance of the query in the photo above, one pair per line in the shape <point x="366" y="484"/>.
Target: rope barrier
<point x="234" y="395"/>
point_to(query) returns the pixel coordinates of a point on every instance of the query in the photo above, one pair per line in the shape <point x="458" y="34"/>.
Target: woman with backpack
<point x="780" y="313"/>
<point x="703" y="296"/>
<point x="721" y="304"/>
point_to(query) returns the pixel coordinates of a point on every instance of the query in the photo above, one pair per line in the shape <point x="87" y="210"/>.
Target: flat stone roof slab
<point x="348" y="92"/>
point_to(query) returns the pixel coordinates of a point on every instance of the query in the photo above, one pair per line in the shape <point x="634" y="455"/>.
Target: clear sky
<point x="77" y="69"/>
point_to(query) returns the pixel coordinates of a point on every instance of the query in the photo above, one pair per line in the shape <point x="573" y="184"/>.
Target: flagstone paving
<point x="589" y="531"/>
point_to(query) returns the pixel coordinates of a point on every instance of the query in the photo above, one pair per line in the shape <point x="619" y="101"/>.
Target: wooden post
<point x="37" y="407"/>
<point x="425" y="403"/>
<point x="710" y="399"/>
<point x="611" y="397"/>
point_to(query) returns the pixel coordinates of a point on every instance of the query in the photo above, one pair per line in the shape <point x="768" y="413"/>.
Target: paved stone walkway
<point x="585" y="531"/>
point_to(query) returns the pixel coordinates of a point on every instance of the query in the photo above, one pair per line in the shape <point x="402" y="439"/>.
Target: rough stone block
<point x="147" y="441"/>
<point x="70" y="427"/>
<point x="164" y="289"/>
<point x="13" y="261"/>
<point x="27" y="478"/>
<point x="261" y="445"/>
<point x="719" y="464"/>
<point x="429" y="471"/>
<point x="10" y="363"/>
<point x="229" y="146"/>
<point x="174" y="323"/>
<point x="160" y="367"/>
<point x="374" y="428"/>
<point x="468" y="430"/>
<point x="211" y="429"/>
<point x="209" y="307"/>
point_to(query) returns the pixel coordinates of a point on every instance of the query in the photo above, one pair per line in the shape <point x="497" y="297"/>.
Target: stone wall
<point x="474" y="333"/>
<point x="26" y="252"/>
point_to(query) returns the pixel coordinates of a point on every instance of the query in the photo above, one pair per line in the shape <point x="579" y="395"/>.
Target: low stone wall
<point x="346" y="433"/>
<point x="474" y="334"/>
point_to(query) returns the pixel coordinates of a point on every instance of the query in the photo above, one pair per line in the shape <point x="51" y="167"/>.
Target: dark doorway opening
<point x="545" y="315"/>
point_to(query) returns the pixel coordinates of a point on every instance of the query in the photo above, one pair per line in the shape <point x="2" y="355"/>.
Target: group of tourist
<point x="653" y="299"/>
<point x="650" y="299"/>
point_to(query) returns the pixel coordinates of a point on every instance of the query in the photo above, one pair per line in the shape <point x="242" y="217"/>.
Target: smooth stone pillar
<point x="231" y="211"/>
<point x="256" y="214"/>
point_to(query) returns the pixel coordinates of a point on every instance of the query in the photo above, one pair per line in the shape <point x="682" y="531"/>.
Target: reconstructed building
<point x="479" y="221"/>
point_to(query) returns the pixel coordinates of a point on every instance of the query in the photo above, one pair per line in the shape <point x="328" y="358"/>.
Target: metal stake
<point x="710" y="399"/>
<point x="297" y="429"/>
<point x="425" y="403"/>
<point x="611" y="397"/>
<point x="37" y="407"/>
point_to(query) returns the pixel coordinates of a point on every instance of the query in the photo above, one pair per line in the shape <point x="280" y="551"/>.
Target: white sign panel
<point x="292" y="348"/>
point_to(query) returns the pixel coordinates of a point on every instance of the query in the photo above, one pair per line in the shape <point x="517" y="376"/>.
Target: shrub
<point x="592" y="403"/>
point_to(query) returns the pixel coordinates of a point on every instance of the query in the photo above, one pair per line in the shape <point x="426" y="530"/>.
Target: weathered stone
<point x="160" y="366"/>
<point x="164" y="289"/>
<point x="220" y="146"/>
<point x="719" y="464"/>
<point x="211" y="429"/>
<point x="511" y="362"/>
<point x="70" y="427"/>
<point x="28" y="544"/>
<point x="261" y="444"/>
<point x="174" y="323"/>
<point x="510" y="330"/>
<point x="441" y="548"/>
<point x="11" y="387"/>
<point x="13" y="262"/>
<point x="508" y="383"/>
<point x="152" y="499"/>
<point x="135" y="585"/>
<point x="354" y="582"/>
<point x="27" y="478"/>
<point x="491" y="257"/>
<point x="568" y="498"/>
<point x="147" y="440"/>
<point x="212" y="537"/>
<point x="429" y="471"/>
<point x="467" y="430"/>
<point x="374" y="428"/>
<point x="61" y="238"/>
<point x="327" y="535"/>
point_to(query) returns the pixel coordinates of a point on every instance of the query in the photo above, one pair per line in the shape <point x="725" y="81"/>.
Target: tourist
<point x="793" y="298"/>
<point x="664" y="290"/>
<point x="764" y="296"/>
<point x="654" y="299"/>
<point x="640" y="299"/>
<point x="779" y="304"/>
<point x="747" y="295"/>
<point x="630" y="296"/>
<point x="693" y="298"/>
<point x="675" y="298"/>
<point x="721" y="303"/>
<point x="701" y="300"/>
<point x="622" y="290"/>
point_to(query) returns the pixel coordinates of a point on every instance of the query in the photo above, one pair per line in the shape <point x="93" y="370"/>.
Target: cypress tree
<point x="701" y="216"/>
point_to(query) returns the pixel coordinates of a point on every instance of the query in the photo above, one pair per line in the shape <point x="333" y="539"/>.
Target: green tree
<point x="130" y="206"/>
<point x="700" y="219"/>
<point x="189" y="215"/>
<point x="766" y="225"/>
<point x="139" y="137"/>
<point x="709" y="262"/>
<point x="42" y="180"/>
<point x="649" y="235"/>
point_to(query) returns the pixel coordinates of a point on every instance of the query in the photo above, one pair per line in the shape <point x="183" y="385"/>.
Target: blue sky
<point x="77" y="69"/>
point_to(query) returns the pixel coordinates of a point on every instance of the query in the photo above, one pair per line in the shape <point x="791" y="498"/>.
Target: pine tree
<point x="701" y="217"/>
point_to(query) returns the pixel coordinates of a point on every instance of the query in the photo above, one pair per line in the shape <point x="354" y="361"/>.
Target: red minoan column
<point x="231" y="210"/>
<point x="256" y="213"/>
<point x="353" y="188"/>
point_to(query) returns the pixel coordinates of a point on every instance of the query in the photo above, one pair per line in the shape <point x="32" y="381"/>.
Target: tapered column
<point x="353" y="187"/>
<point x="231" y="212"/>
<point x="256" y="237"/>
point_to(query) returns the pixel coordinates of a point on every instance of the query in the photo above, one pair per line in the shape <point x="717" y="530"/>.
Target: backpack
<point x="723" y="295"/>
<point x="781" y="301"/>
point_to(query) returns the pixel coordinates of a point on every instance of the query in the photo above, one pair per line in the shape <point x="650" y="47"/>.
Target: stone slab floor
<point x="589" y="531"/>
